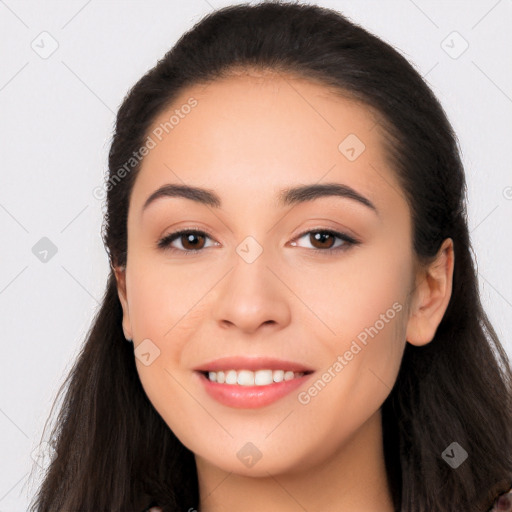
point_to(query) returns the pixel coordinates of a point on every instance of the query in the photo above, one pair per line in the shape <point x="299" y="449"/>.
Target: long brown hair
<point x="114" y="452"/>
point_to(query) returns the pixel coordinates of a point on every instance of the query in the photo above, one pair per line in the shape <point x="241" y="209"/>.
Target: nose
<point x="253" y="296"/>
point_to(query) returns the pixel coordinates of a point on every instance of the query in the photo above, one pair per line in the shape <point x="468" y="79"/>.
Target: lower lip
<point x="250" y="397"/>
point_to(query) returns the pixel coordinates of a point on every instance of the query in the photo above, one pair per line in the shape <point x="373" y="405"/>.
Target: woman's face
<point x="268" y="279"/>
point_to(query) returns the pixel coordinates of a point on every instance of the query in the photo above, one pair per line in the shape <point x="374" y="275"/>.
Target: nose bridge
<point x="251" y="295"/>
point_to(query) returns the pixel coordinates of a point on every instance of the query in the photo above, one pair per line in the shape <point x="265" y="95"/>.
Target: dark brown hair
<point x="114" y="452"/>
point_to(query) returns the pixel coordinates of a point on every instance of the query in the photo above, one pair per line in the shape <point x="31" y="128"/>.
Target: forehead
<point x="255" y="135"/>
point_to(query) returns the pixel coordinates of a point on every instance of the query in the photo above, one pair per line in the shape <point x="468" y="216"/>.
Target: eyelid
<point x="336" y="231"/>
<point x="164" y="242"/>
<point x="349" y="241"/>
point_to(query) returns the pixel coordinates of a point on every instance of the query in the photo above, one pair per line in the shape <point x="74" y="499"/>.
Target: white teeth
<point x="245" y="378"/>
<point x="278" y="375"/>
<point x="263" y="377"/>
<point x="250" y="378"/>
<point x="231" y="377"/>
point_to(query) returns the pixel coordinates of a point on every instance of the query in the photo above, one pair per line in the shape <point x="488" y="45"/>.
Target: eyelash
<point x="164" y="243"/>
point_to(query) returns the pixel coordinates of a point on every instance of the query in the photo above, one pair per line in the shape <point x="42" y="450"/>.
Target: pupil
<point x="321" y="237"/>
<point x="191" y="237"/>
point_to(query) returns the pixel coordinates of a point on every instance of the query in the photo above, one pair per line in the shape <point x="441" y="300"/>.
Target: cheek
<point x="343" y="299"/>
<point x="164" y="300"/>
<point x="366" y="311"/>
<point x="361" y="369"/>
<point x="166" y="307"/>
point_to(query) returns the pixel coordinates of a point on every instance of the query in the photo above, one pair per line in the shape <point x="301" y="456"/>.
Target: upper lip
<point x="251" y="363"/>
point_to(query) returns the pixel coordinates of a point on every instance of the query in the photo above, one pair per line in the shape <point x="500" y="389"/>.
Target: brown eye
<point x="322" y="239"/>
<point x="191" y="241"/>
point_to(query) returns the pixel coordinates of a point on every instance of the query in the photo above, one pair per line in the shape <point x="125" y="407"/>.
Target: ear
<point x="120" y="273"/>
<point x="431" y="296"/>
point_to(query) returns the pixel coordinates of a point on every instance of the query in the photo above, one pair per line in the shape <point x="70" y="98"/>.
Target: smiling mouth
<point x="264" y="377"/>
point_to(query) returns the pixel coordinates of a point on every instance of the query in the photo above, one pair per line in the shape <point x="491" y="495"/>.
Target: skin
<point x="248" y="137"/>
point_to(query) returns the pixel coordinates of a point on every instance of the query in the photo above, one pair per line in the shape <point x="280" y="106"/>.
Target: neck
<point x="352" y="479"/>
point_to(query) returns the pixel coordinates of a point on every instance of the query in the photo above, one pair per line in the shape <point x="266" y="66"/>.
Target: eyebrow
<point x="287" y="197"/>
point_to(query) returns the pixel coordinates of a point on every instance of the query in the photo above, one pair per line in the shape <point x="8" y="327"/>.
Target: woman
<point x="286" y="227"/>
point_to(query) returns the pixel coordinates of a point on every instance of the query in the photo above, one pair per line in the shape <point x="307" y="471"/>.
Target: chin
<point x="262" y="467"/>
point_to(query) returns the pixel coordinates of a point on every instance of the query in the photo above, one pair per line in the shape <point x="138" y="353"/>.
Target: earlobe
<point x="120" y="273"/>
<point x="431" y="296"/>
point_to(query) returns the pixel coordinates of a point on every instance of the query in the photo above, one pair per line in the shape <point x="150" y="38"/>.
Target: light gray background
<point x="56" y="120"/>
